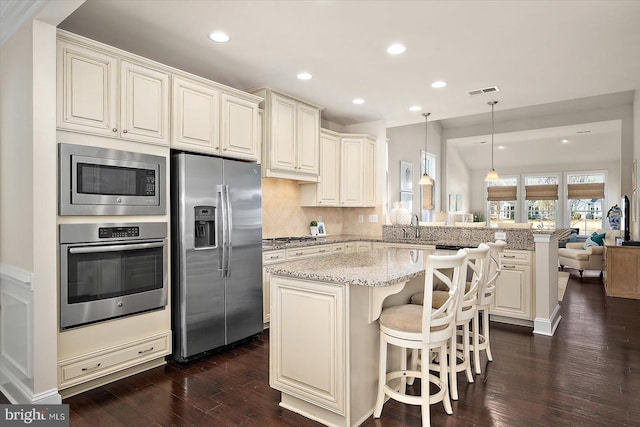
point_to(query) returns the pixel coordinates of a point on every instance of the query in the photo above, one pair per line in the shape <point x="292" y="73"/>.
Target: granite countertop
<point x="378" y="267"/>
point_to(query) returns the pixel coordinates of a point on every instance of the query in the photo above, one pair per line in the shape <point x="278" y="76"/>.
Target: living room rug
<point x="563" y="279"/>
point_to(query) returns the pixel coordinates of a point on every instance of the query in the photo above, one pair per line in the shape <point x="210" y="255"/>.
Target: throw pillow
<point x="598" y="238"/>
<point x="588" y="243"/>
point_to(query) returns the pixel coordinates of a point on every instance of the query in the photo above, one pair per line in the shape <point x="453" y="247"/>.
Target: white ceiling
<point x="598" y="142"/>
<point x="536" y="52"/>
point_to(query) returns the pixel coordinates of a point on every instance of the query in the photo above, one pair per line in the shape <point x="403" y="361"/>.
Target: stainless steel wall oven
<point x="111" y="270"/>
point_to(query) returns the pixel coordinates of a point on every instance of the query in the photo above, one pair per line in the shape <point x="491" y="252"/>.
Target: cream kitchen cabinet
<point x="514" y="295"/>
<point x="208" y="120"/>
<point x="292" y="137"/>
<point x="239" y="128"/>
<point x="101" y="93"/>
<point x="347" y="172"/>
<point x="195" y="116"/>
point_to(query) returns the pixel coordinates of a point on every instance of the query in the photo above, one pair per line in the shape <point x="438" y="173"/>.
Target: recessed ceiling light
<point x="415" y="108"/>
<point x="304" y="76"/>
<point x="565" y="141"/>
<point x="396" y="49"/>
<point x="501" y="147"/>
<point x="439" y="84"/>
<point x="219" y="36"/>
<point x="358" y="101"/>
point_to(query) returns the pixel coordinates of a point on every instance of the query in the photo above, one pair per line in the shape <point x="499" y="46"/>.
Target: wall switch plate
<point x="501" y="235"/>
<point x="373" y="218"/>
<point x="360" y="218"/>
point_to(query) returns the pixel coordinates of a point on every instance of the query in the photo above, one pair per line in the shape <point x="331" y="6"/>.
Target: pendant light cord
<point x="426" y="132"/>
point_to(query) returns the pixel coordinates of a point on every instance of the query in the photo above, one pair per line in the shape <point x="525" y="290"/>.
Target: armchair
<point x="592" y="258"/>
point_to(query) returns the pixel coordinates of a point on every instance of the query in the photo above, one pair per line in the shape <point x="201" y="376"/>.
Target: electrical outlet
<point x="501" y="235"/>
<point x="319" y="218"/>
<point x="373" y="218"/>
<point x="360" y="218"/>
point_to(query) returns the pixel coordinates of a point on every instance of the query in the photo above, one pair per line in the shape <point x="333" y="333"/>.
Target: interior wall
<point x="459" y="182"/>
<point x="406" y="143"/>
<point x="16" y="150"/>
<point x="635" y="227"/>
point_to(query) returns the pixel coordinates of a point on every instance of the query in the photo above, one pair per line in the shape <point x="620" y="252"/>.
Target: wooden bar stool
<point x="412" y="326"/>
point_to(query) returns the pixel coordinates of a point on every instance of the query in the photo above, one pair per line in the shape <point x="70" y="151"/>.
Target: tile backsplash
<point x="282" y="214"/>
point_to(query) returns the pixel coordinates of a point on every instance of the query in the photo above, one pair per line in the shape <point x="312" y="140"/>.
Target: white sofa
<point x="592" y="258"/>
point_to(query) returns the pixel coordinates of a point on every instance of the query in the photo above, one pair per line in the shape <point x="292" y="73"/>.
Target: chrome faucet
<point x="415" y="216"/>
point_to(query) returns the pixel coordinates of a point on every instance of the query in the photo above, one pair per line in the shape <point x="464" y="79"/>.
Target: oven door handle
<point x="115" y="248"/>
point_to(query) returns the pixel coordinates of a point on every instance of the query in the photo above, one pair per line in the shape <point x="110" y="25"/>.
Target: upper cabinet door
<point x="369" y="172"/>
<point x="283" y="133"/>
<point x="239" y="128"/>
<point x="195" y="117"/>
<point x="87" y="89"/>
<point x="351" y="185"/>
<point x="308" y="133"/>
<point x="329" y="185"/>
<point x="144" y="99"/>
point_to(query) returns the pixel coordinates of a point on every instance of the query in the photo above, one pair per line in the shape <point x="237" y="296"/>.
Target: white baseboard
<point x="547" y="327"/>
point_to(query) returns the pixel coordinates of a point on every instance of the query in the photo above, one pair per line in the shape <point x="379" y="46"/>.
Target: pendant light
<point x="425" y="179"/>
<point x="492" y="175"/>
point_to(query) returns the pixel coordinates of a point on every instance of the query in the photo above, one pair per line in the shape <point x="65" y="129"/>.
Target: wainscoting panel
<point x="16" y="333"/>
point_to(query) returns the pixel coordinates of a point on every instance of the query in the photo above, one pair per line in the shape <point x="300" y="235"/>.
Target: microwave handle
<point x="114" y="248"/>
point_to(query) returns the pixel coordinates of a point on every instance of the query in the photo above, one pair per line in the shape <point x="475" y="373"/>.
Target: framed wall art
<point x="406" y="176"/>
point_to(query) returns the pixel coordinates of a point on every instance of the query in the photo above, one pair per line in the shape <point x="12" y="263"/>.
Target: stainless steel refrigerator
<point x="216" y="208"/>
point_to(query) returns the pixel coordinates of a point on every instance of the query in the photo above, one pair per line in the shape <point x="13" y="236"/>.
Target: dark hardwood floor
<point x="588" y="374"/>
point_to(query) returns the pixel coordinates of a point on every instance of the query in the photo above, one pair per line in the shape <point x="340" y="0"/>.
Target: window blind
<point x="541" y="192"/>
<point x="427" y="197"/>
<point x="502" y="193"/>
<point x="585" y="191"/>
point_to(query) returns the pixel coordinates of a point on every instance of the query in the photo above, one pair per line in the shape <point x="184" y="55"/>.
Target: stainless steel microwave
<point x="102" y="181"/>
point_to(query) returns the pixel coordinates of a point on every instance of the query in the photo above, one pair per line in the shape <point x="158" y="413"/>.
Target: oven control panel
<point x="118" y="232"/>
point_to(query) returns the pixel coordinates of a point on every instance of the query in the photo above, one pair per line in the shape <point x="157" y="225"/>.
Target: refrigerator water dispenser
<point x="205" y="227"/>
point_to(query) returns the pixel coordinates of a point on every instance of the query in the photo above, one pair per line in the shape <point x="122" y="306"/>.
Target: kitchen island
<point x="324" y="335"/>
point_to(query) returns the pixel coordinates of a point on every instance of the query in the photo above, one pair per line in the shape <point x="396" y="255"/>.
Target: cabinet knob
<point x="124" y="131"/>
<point x="114" y="130"/>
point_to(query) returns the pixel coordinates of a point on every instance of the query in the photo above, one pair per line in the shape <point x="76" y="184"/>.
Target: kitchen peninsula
<point x="324" y="334"/>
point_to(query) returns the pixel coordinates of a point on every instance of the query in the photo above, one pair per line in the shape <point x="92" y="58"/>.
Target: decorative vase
<point x="615" y="216"/>
<point x="403" y="216"/>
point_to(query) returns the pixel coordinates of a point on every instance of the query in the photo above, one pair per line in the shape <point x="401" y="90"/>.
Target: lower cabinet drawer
<point x="94" y="365"/>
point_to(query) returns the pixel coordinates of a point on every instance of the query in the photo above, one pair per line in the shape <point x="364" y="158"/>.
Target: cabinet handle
<point x="274" y="257"/>
<point x="114" y="130"/>
<point x="224" y="149"/>
<point x="298" y="253"/>
<point x="510" y="267"/>
<point x="91" y="368"/>
<point x="217" y="148"/>
<point x="145" y="351"/>
<point x="508" y="256"/>
<point x="323" y="251"/>
<point x="124" y="131"/>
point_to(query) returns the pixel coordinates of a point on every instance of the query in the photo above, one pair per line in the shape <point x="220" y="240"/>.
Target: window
<point x="428" y="195"/>
<point x="585" y="198"/>
<point x="502" y="199"/>
<point x="541" y="195"/>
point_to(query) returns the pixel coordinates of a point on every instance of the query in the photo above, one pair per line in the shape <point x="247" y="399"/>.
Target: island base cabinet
<point x="513" y="293"/>
<point x="324" y="346"/>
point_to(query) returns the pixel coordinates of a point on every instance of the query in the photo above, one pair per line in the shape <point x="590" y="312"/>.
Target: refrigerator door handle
<point x="225" y="239"/>
<point x="229" y="229"/>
